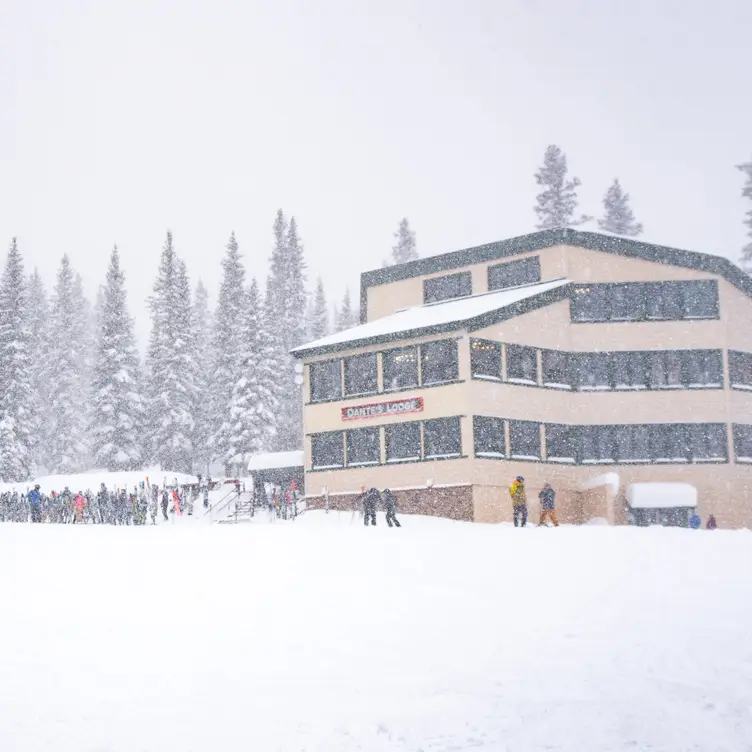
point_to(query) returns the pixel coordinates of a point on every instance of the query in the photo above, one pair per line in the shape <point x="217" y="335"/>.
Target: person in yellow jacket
<point x="519" y="501"/>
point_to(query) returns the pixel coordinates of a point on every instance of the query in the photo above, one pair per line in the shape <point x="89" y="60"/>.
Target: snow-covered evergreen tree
<point x="347" y="317"/>
<point x="405" y="247"/>
<point x="172" y="388"/>
<point x="68" y="358"/>
<point x="202" y="329"/>
<point x="38" y="323"/>
<point x="118" y="405"/>
<point x="557" y="203"/>
<point x="227" y="340"/>
<point x="618" y="217"/>
<point x="16" y="363"/>
<point x="746" y="258"/>
<point x="318" y="314"/>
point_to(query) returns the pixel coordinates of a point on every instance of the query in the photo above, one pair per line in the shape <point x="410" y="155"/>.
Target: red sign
<point x="377" y="409"/>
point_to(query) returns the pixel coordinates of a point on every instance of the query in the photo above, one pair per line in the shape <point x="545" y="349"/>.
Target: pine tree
<point x="405" y="247"/>
<point x="68" y="358"/>
<point x="556" y="205"/>
<point x="228" y="331"/>
<point x="38" y="323"/>
<point x="170" y="359"/>
<point x="16" y="401"/>
<point x="347" y="317"/>
<point x="318" y="314"/>
<point x="202" y="328"/>
<point x="618" y="217"/>
<point x="746" y="257"/>
<point x="119" y="408"/>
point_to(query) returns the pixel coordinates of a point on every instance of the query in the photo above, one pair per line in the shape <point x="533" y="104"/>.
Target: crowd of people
<point x="140" y="506"/>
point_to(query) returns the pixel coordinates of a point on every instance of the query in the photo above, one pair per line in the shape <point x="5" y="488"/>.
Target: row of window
<point x="645" y="301"/>
<point x="402" y="368"/>
<point x="498" y="438"/>
<point x="500" y="276"/>
<point x="404" y="442"/>
<point x="652" y="369"/>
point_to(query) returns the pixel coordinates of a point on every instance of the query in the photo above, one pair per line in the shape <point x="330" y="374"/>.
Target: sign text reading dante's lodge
<point x="395" y="407"/>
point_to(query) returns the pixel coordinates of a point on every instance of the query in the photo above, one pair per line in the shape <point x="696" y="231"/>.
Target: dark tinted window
<point x="327" y="450"/>
<point x="326" y="381"/>
<point x="524" y="439"/>
<point x="522" y="363"/>
<point x="743" y="443"/>
<point x="627" y="302"/>
<point x="664" y="301"/>
<point x="439" y="361"/>
<point x="700" y="299"/>
<point x="668" y="442"/>
<point x="704" y="367"/>
<point x="402" y="442"/>
<point x="363" y="447"/>
<point x="514" y="273"/>
<point x="665" y="369"/>
<point x="441" y="438"/>
<point x="740" y="368"/>
<point x="561" y="443"/>
<point x="489" y="437"/>
<point x="400" y="368"/>
<point x="555" y="368"/>
<point x="485" y="358"/>
<point x="591" y="371"/>
<point x="361" y="374"/>
<point x="707" y="441"/>
<point x="598" y="444"/>
<point x="448" y="287"/>
<point x="589" y="303"/>
<point x="628" y="370"/>
<point x="632" y="443"/>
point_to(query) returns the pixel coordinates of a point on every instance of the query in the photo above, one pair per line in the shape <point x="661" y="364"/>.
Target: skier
<point x="165" y="503"/>
<point x="79" y="504"/>
<point x="519" y="501"/>
<point x="711" y="524"/>
<point x="548" y="505"/>
<point x="154" y="505"/>
<point x="206" y="497"/>
<point x="35" y="502"/>
<point x="102" y="503"/>
<point x="370" y="499"/>
<point x="390" y="504"/>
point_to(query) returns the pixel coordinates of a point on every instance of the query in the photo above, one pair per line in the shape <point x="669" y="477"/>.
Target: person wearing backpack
<point x="548" y="505"/>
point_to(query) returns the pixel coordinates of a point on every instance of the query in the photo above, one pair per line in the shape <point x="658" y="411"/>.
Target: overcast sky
<point x="119" y="120"/>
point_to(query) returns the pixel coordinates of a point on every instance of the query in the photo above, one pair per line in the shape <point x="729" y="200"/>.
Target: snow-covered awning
<point x="661" y="495"/>
<point x="435" y="317"/>
<point x="275" y="461"/>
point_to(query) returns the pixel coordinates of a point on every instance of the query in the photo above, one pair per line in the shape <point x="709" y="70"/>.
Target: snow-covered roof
<point x="661" y="495"/>
<point x="276" y="460"/>
<point x="416" y="320"/>
<point x="607" y="479"/>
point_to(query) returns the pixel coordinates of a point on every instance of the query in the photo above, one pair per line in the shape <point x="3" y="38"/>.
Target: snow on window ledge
<point x="491" y="455"/>
<point x="371" y="463"/>
<point x="442" y="456"/>
<point x="397" y="460"/>
<point x="513" y="380"/>
<point x="744" y="459"/>
<point x="555" y="385"/>
<point x="599" y="462"/>
<point x="713" y="385"/>
<point x="631" y="387"/>
<point x="746" y="387"/>
<point x="570" y="460"/>
<point x="327" y="467"/>
<point x="486" y="377"/>
<point x="709" y="459"/>
<point x="596" y="388"/>
<point x="524" y="457"/>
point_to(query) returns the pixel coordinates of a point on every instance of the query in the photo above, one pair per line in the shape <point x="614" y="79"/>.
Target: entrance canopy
<point x="661" y="495"/>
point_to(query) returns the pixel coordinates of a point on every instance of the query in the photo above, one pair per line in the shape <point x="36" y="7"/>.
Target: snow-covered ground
<point x="322" y="635"/>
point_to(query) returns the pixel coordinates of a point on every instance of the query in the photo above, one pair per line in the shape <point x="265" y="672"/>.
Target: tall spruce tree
<point x="746" y="258"/>
<point x="557" y="203"/>
<point x="68" y="357"/>
<point x="16" y="402"/>
<point x="172" y="389"/>
<point x="318" y="314"/>
<point x="202" y="328"/>
<point x="618" y="217"/>
<point x="405" y="247"/>
<point x="118" y="403"/>
<point x="38" y="323"/>
<point x="347" y="317"/>
<point x="228" y="333"/>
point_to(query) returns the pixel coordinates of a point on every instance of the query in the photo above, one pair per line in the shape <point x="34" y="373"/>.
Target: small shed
<point x="668" y="504"/>
<point x="279" y="469"/>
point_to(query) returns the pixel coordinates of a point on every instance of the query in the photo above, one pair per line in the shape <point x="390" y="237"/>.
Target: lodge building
<point x="561" y="356"/>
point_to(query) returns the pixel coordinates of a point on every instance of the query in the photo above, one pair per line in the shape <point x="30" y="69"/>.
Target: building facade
<point x="561" y="356"/>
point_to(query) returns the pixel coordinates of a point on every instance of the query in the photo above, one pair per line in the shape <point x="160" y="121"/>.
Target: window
<point x="704" y="368"/>
<point x="664" y="301"/>
<point x="591" y="371"/>
<point x="327" y="450"/>
<point x="561" y="443"/>
<point x="439" y="362"/>
<point x="740" y="369"/>
<point x="707" y="442"/>
<point x="441" y="438"/>
<point x="668" y="443"/>
<point x="742" y="443"/>
<point x="400" y="368"/>
<point x="665" y="369"/>
<point x="524" y="440"/>
<point x="514" y="273"/>
<point x="589" y="303"/>
<point x="700" y="299"/>
<point x="632" y="443"/>
<point x="556" y="369"/>
<point x="485" y="359"/>
<point x="522" y="364"/>
<point x="598" y="444"/>
<point x="363" y="447"/>
<point x="361" y="375"/>
<point x="627" y="302"/>
<point x="489" y="437"/>
<point x="448" y="287"/>
<point x="628" y="370"/>
<point x="326" y="380"/>
<point x="403" y="442"/>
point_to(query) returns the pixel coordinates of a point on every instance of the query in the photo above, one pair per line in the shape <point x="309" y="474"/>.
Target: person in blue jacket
<point x="695" y="521"/>
<point x="35" y="502"/>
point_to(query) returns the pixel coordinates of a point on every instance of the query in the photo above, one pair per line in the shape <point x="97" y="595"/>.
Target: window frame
<point x="739" y="368"/>
<point x="742" y="434"/>
<point x="442" y="432"/>
<point x="514" y="350"/>
<point x="312" y="368"/>
<point x="475" y="346"/>
<point x="360" y="356"/>
<point x="529" y="269"/>
<point x="571" y="440"/>
<point x="463" y="279"/>
<point x="388" y="438"/>
<point x="527" y="425"/>
<point x="385" y="355"/>
<point x="434" y="343"/>
<point x="479" y="421"/>
<point x="321" y="436"/>
<point x="566" y="370"/>
<point x="353" y="433"/>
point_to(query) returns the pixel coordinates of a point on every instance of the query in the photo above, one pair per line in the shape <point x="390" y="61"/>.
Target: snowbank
<point x="661" y="495"/>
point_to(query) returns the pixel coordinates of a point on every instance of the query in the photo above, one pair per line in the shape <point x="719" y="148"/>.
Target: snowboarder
<point x="370" y="499"/>
<point x="548" y="505"/>
<point x="519" y="501"/>
<point x="35" y="502"/>
<point x="390" y="504"/>
<point x="711" y="524"/>
<point x="165" y="504"/>
<point x="695" y="521"/>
